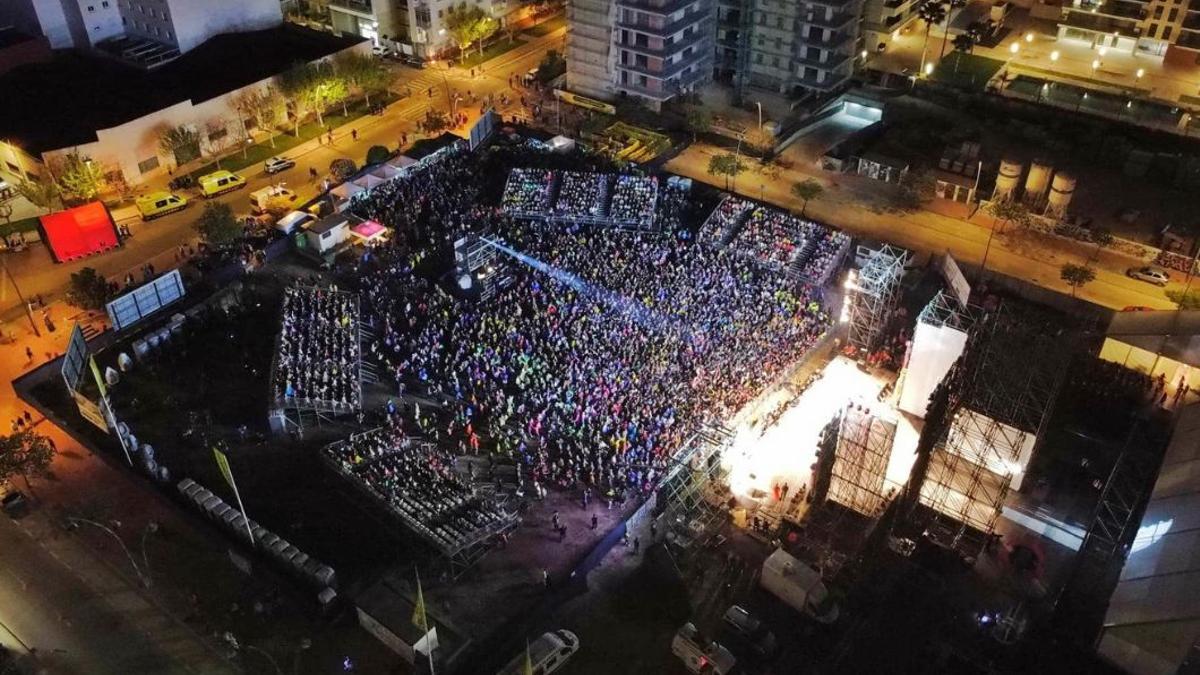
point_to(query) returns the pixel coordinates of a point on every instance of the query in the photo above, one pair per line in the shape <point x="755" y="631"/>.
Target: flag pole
<point x="223" y="463"/>
<point x="424" y="620"/>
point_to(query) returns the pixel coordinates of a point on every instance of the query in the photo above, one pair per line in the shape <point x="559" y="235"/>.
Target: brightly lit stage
<point x="786" y="451"/>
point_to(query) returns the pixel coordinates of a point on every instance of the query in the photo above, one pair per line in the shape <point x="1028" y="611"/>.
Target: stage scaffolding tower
<point x="864" y="446"/>
<point x="874" y="292"/>
<point x="686" y="492"/>
<point x="999" y="391"/>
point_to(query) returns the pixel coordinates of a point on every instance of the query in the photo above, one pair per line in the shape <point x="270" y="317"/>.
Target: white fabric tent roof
<point x="346" y="190"/>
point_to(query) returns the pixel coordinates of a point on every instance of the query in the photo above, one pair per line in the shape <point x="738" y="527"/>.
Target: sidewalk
<point x="858" y="206"/>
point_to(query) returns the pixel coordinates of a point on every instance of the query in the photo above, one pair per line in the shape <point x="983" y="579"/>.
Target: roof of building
<point x="1153" y="618"/>
<point x="63" y="102"/>
<point x="1174" y="334"/>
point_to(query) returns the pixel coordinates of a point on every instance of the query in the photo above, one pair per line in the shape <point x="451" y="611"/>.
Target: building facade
<point x="1163" y="28"/>
<point x="409" y="26"/>
<point x="182" y="24"/>
<point x="650" y="49"/>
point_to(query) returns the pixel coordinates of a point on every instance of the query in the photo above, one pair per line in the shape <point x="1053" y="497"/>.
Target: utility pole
<point x="28" y="314"/>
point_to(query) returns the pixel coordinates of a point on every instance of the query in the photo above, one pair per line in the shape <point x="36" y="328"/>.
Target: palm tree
<point x="931" y="12"/>
<point x="964" y="43"/>
<point x="955" y="6"/>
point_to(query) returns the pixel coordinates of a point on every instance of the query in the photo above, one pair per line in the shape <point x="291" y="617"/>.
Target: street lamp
<point x="759" y="104"/>
<point x="928" y="69"/>
<point x="1029" y="37"/>
<point x="1014" y="48"/>
<point x="1103" y="51"/>
<point x="143" y="576"/>
<point x="1141" y="72"/>
<point x="1054" y="56"/>
<point x="1095" y="65"/>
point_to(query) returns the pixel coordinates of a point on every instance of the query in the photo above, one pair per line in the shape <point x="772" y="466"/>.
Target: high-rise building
<point x="1167" y="28"/>
<point x="180" y="24"/>
<point x="650" y="49"/>
<point x="409" y="26"/>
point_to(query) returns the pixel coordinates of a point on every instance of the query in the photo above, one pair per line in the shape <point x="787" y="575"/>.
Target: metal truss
<point x="873" y="294"/>
<point x="696" y="471"/>
<point x="999" y="391"/>
<point x="943" y="311"/>
<point x="860" y="461"/>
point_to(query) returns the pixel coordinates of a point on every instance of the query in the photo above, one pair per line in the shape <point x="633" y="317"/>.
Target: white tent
<point x="368" y="181"/>
<point x="345" y="191"/>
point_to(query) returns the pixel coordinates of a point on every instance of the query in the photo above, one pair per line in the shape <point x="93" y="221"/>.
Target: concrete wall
<point x="90" y="21"/>
<point x="38" y="17"/>
<point x="590" y="54"/>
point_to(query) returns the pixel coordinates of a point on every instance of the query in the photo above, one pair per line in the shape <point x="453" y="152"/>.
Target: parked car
<point x="1149" y="275"/>
<point x="277" y="164"/>
<point x="381" y="51"/>
<point x="546" y="654"/>
<point x="14" y="504"/>
<point x="412" y="61"/>
<point x="748" y="633"/>
<point x="159" y="203"/>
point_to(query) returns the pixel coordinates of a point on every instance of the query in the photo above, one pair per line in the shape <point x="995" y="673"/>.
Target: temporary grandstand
<point x="623" y="201"/>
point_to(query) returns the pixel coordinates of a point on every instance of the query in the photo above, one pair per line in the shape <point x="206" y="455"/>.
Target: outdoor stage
<point x="786" y="451"/>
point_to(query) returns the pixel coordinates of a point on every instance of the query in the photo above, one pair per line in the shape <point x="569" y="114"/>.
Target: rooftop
<point x="48" y="115"/>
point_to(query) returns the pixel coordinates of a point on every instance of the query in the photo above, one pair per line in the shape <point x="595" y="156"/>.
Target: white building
<point x="410" y="26"/>
<point x="182" y="24"/>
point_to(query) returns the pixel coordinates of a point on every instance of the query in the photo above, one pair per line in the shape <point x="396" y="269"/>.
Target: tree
<point x="304" y="87"/>
<point x="1009" y="211"/>
<point x="699" y="120"/>
<point x="806" y="190"/>
<point x="1076" y="276"/>
<point x="88" y="289"/>
<point x="725" y="165"/>
<point x="377" y="154"/>
<point x="42" y="192"/>
<point x="25" y="454"/>
<point x="217" y="224"/>
<point x="468" y="25"/>
<point x="1102" y="237"/>
<point x="258" y="105"/>
<point x="181" y="143"/>
<point x="915" y="189"/>
<point x="341" y="169"/>
<point x="954" y="7"/>
<point x="216" y="131"/>
<point x="761" y="141"/>
<point x="434" y="122"/>
<point x="79" y="177"/>
<point x="366" y="74"/>
<point x="6" y="211"/>
<point x="552" y="65"/>
<point x="931" y="12"/>
<point x="964" y="43"/>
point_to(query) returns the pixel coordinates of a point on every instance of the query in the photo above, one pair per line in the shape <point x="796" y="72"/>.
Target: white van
<point x="294" y="221"/>
<point x="700" y="654"/>
<point x="272" y="197"/>
<point x="546" y="654"/>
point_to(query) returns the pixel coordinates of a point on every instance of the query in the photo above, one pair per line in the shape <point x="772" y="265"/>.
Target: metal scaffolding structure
<point x="944" y="311"/>
<point x="686" y="491"/>
<point x="860" y="461"/>
<point x="996" y="398"/>
<point x="873" y="293"/>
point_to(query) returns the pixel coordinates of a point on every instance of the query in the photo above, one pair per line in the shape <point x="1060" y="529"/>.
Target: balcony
<point x="1125" y="9"/>
<point x="1101" y="23"/>
<point x="659" y="7"/>
<point x="665" y="29"/>
<point x="830" y="41"/>
<point x="1191" y="21"/>
<point x="670" y="88"/>
<point x="357" y="6"/>
<point x="834" y="62"/>
<point x="663" y="73"/>
<point x="700" y="37"/>
<point x="837" y="21"/>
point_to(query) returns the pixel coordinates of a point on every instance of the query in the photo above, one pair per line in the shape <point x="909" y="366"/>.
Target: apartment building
<point x="408" y="26"/>
<point x="650" y="49"/>
<point x="1166" y="28"/>
<point x="181" y="24"/>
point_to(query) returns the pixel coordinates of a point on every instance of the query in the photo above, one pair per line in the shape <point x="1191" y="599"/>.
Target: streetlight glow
<point x="1140" y="72"/>
<point x="1029" y="37"/>
<point x="1095" y="64"/>
<point x="1054" y="56"/>
<point x="1103" y="51"/>
<point x="928" y="69"/>
<point x="1014" y="48"/>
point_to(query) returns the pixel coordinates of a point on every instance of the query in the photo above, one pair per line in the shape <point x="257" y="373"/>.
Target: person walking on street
<point x="354" y="135"/>
<point x="545" y="579"/>
<point x="637" y="545"/>
<point x="595" y="521"/>
<point x="29" y="354"/>
<point x="554" y="519"/>
<point x="562" y="534"/>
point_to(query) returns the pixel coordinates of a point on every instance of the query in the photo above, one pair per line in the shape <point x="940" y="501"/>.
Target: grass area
<point x="489" y="52"/>
<point x="259" y="152"/>
<point x="966" y="71"/>
<point x="548" y="26"/>
<point x="23" y="225"/>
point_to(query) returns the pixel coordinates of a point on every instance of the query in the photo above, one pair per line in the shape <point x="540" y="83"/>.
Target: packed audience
<point x="633" y="199"/>
<point x="582" y="194"/>
<point x="824" y="254"/>
<point x="416" y="479"/>
<point x="527" y="191"/>
<point x="772" y="237"/>
<point x="317" y="358"/>
<point x="725" y="220"/>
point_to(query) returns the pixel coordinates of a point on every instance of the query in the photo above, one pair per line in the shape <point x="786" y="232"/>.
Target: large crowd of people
<point x="416" y="479"/>
<point x="581" y="194"/>
<point x="527" y="191"/>
<point x="633" y="199"/>
<point x="317" y="362"/>
<point x="776" y="239"/>
<point x="772" y="237"/>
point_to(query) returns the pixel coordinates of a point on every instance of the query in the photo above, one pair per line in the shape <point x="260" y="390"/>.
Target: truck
<point x="798" y="586"/>
<point x="699" y="654"/>
<point x="274" y="197"/>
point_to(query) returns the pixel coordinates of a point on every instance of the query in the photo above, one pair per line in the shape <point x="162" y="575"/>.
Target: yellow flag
<point x="96" y="374"/>
<point x="528" y="669"/>
<point x="418" y="618"/>
<point x="223" y="464"/>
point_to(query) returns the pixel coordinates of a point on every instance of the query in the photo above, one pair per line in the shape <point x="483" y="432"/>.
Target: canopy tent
<point x="346" y="190"/>
<point x="79" y="232"/>
<point x="368" y="181"/>
<point x="368" y="231"/>
<point x="401" y="162"/>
